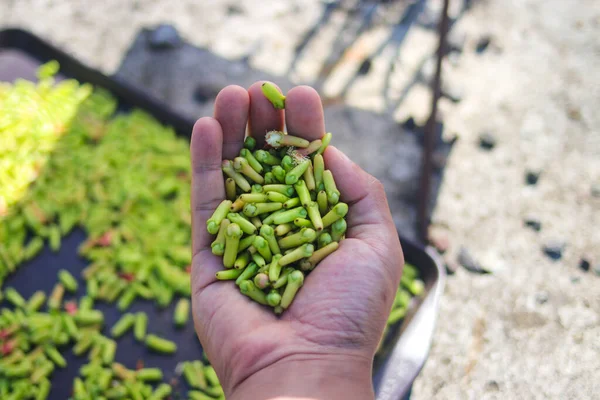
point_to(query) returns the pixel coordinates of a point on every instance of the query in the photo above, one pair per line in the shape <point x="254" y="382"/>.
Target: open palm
<point x="339" y="314"/>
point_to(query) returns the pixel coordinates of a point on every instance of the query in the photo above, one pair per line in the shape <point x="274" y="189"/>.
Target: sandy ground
<point x="532" y="328"/>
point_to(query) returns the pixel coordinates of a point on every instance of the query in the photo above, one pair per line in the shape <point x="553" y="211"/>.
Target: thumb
<point x="369" y="218"/>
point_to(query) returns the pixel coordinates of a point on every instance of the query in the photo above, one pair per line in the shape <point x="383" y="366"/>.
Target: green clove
<point x="213" y="223"/>
<point x="286" y="190"/>
<point x="294" y="283"/>
<point x="249" y="144"/>
<point x="306" y="250"/>
<point x="277" y="197"/>
<point x="303" y="192"/>
<point x="290" y="215"/>
<point x="306" y="235"/>
<point x="258" y="259"/>
<point x="230" y="189"/>
<point x="263" y="248"/>
<point x="256" y="222"/>
<point x="283" y="229"/>
<point x="275" y="268"/>
<point x="270" y="178"/>
<point x="242" y="261"/>
<point x="237" y="205"/>
<point x="324" y="239"/>
<point x="309" y="177"/>
<point x="333" y="195"/>
<point x="295" y="173"/>
<point x="322" y="202"/>
<point x="325" y="142"/>
<point x="268" y="233"/>
<point x="248" y="288"/>
<point x="303" y="223"/>
<point x="273" y="298"/>
<point x="315" y="216"/>
<point x="338" y="229"/>
<point x="254" y="209"/>
<point x="246" y="226"/>
<point x="312" y="147"/>
<point x="266" y="158"/>
<point x="287" y="162"/>
<point x="291" y="203"/>
<point x="279" y="173"/>
<point x="241" y="165"/>
<point x="218" y="246"/>
<point x="254" y="198"/>
<point x="261" y="280"/>
<point x="239" y="179"/>
<point x="245" y="243"/>
<point x="319" y="255"/>
<point x="338" y="211"/>
<point x="273" y="95"/>
<point x="232" y="241"/>
<point x="278" y="139"/>
<point x="248" y="273"/>
<point x="254" y="163"/>
<point x="228" y="274"/>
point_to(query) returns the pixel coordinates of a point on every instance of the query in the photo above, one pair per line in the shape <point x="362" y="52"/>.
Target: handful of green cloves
<point x="282" y="215"/>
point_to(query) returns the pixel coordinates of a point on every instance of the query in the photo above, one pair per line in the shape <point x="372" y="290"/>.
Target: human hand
<point x="322" y="347"/>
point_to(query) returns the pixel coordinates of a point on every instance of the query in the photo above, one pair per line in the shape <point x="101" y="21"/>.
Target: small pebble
<point x="533" y="223"/>
<point x="574" y="114"/>
<point x="487" y="141"/>
<point x="575" y="279"/>
<point x="532" y="177"/>
<point x="451" y="266"/>
<point x="595" y="190"/>
<point x="492" y="386"/>
<point x="234" y="9"/>
<point x="483" y="44"/>
<point x="541" y="297"/>
<point x="365" y="67"/>
<point x="410" y="124"/>
<point x="469" y="263"/>
<point x="164" y="36"/>
<point x="584" y="264"/>
<point x="554" y="249"/>
<point x="597" y="269"/>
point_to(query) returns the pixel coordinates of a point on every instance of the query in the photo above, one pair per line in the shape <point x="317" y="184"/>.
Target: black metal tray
<point x="407" y="344"/>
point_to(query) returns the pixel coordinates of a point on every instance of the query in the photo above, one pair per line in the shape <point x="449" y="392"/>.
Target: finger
<point x="221" y="314"/>
<point x="304" y="113"/>
<point x="365" y="196"/>
<point x="231" y="110"/>
<point x="263" y="116"/>
<point x="207" y="178"/>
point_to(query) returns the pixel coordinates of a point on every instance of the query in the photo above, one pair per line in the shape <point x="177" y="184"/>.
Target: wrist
<point x="302" y="377"/>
